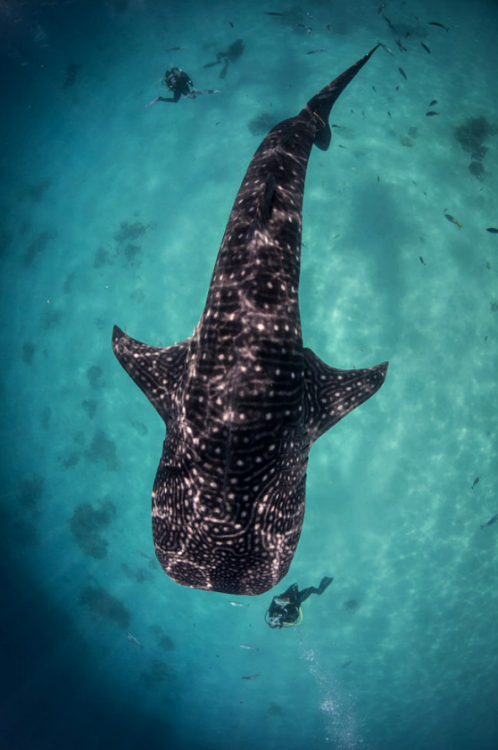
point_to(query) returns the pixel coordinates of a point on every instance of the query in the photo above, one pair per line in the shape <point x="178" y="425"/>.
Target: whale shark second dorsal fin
<point x="157" y="371"/>
<point x="330" y="394"/>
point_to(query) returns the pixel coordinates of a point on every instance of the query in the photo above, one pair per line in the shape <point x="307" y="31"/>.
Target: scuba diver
<point x="285" y="610"/>
<point x="232" y="54"/>
<point x="178" y="82"/>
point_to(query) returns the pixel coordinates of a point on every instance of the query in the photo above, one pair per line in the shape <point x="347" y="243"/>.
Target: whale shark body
<point x="242" y="400"/>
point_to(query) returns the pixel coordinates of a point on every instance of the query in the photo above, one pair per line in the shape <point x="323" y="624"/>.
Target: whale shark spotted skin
<point x="242" y="400"/>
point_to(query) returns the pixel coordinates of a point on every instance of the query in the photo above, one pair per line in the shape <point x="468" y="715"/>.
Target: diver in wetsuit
<point x="232" y="54"/>
<point x="178" y="82"/>
<point x="285" y="610"/>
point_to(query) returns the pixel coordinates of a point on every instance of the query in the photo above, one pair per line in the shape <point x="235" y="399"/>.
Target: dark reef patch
<point x="30" y="493"/>
<point x="103" y="258"/>
<point x="164" y="642"/>
<point x="28" y="352"/>
<point x="137" y="296"/>
<point x="132" y="254"/>
<point x="103" y="449"/>
<point x="102" y="605"/>
<point x="263" y="123"/>
<point x="275" y="710"/>
<point x="138" y="575"/>
<point x="45" y="418"/>
<point x="70" y="461"/>
<point x="129" y="232"/>
<point x="139" y="427"/>
<point x="471" y="134"/>
<point x="351" y="605"/>
<point x="87" y="524"/>
<point x="71" y="73"/>
<point x="477" y="169"/>
<point x="34" y="192"/>
<point x="95" y="375"/>
<point x="90" y="407"/>
<point x="156" y="673"/>
<point x="38" y="246"/>
<point x="51" y="317"/>
<point x="68" y="284"/>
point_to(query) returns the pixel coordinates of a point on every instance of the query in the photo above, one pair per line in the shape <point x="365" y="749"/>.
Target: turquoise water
<point x="113" y="212"/>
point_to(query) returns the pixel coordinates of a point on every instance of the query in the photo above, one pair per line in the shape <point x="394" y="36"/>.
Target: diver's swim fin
<point x="324" y="583"/>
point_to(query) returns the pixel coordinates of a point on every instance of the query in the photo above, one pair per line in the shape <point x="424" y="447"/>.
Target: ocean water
<point x="112" y="213"/>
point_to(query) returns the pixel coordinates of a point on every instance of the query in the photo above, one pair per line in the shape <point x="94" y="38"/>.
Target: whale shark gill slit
<point x="242" y="400"/>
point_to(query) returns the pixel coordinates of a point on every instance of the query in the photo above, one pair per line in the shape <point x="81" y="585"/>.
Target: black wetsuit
<point x="288" y="613"/>
<point x="179" y="82"/>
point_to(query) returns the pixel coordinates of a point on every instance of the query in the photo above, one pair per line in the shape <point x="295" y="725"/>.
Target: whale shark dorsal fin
<point x="157" y="371"/>
<point x="263" y="208"/>
<point x="330" y="394"/>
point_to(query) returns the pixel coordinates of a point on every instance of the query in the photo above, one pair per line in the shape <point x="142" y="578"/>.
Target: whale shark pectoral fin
<point x="330" y="394"/>
<point x="156" y="370"/>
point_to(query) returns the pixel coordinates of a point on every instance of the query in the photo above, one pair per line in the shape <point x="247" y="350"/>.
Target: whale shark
<point x="242" y="400"/>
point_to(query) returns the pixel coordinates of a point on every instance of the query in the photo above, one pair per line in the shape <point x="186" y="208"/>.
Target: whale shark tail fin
<point x="321" y="104"/>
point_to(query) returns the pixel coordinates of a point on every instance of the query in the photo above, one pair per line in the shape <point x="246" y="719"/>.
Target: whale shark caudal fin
<point x="322" y="103"/>
<point x="157" y="371"/>
<point x="330" y="394"/>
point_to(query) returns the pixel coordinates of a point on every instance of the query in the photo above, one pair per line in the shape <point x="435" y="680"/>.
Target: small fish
<point x="388" y="22"/>
<point x="231" y="24"/>
<point x="303" y="26"/>
<point x="381" y="8"/>
<point x="248" y="648"/>
<point x="142" y="554"/>
<point x="453" y="220"/>
<point x="492" y="230"/>
<point x="329" y="27"/>
<point x="315" y="51"/>
<point x="386" y="48"/>
<point x="238" y="604"/>
<point x="476" y="481"/>
<point x="490" y="522"/>
<point x="272" y="13"/>
<point x="403" y="73"/>
<point x="346" y="664"/>
<point x="175" y="49"/>
<point x="134" y="640"/>
<point x="400" y="45"/>
<point x="250" y="677"/>
<point x="433" y="103"/>
<point x="374" y="89"/>
<point x="431" y="113"/>
<point x="435" y="23"/>
<point x="422" y="260"/>
<point x="390" y="115"/>
<point x="426" y="48"/>
<point x="378" y="178"/>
